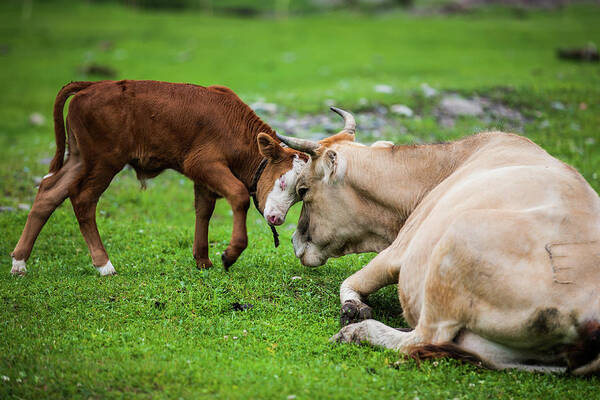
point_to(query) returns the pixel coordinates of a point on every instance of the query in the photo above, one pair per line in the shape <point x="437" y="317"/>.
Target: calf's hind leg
<point x="84" y="201"/>
<point x="53" y="190"/>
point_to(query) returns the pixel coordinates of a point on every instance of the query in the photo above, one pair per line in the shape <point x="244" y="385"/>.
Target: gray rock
<point x="402" y="110"/>
<point x="458" y="106"/>
<point x="428" y="91"/>
<point x="263" y="107"/>
<point x="383" y="88"/>
<point x="37" y="119"/>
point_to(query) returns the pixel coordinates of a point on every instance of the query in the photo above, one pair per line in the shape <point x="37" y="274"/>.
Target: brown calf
<point x="206" y="133"/>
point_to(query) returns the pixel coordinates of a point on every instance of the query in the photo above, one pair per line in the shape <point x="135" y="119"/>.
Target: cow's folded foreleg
<point x="377" y="334"/>
<point x="378" y="273"/>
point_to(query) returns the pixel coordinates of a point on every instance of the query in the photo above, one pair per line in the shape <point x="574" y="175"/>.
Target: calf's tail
<point x="59" y="123"/>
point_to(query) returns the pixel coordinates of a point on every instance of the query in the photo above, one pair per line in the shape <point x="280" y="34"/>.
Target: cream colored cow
<point x="493" y="243"/>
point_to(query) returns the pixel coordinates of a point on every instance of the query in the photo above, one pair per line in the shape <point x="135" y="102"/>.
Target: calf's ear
<point x="269" y="147"/>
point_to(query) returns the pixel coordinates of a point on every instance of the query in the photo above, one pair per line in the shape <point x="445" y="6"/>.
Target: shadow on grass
<point x="386" y="307"/>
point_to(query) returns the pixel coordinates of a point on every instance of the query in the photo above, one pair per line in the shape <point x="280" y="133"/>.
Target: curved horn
<point x="303" y="145"/>
<point x="349" y="122"/>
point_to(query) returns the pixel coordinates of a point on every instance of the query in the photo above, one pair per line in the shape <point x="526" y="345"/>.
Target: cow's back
<point x="156" y="124"/>
<point x="553" y="207"/>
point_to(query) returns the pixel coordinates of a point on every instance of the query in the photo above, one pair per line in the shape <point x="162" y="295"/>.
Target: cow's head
<point x="276" y="189"/>
<point x="333" y="221"/>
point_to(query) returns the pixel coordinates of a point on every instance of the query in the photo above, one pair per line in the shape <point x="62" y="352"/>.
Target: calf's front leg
<point x="221" y="180"/>
<point x="204" y="202"/>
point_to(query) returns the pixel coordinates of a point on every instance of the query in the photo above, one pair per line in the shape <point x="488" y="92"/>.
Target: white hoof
<point x="18" y="267"/>
<point x="107" y="269"/>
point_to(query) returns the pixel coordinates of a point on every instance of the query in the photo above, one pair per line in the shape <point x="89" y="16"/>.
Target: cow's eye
<point x="302" y="192"/>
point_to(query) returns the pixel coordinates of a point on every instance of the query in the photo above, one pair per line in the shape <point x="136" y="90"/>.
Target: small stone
<point x="383" y="88"/>
<point x="446" y="122"/>
<point x="557" y="105"/>
<point x="457" y="106"/>
<point x="5" y="378"/>
<point x="263" y="107"/>
<point x="23" y="206"/>
<point x="294" y="278"/>
<point x="291" y="397"/>
<point x="401" y="109"/>
<point x="545" y="124"/>
<point x="37" y="119"/>
<point x="428" y="91"/>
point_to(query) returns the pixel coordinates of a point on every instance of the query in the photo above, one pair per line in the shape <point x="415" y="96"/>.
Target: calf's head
<point x="276" y="189"/>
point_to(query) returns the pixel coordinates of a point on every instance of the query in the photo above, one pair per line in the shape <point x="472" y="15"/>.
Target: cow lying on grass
<point x="493" y="243"/>
<point x="206" y="133"/>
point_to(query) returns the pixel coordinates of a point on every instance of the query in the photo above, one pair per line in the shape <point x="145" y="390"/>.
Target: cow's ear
<point x="269" y="147"/>
<point x="330" y="165"/>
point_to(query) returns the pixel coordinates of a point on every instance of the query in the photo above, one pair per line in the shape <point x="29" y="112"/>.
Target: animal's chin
<point x="312" y="259"/>
<point x="312" y="262"/>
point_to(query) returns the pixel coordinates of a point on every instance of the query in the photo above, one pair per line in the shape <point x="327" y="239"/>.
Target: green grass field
<point x="161" y="328"/>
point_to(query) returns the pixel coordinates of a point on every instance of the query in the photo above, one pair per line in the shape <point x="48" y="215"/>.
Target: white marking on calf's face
<point x="283" y="195"/>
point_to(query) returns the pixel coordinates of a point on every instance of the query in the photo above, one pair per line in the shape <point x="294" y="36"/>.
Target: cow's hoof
<point x="204" y="264"/>
<point x="354" y="311"/>
<point x="106" y="269"/>
<point x="227" y="261"/>
<point x="353" y="333"/>
<point x="18" y="267"/>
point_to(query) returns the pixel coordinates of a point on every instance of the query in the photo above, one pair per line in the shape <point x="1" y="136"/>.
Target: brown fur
<point x="445" y="350"/>
<point x="206" y="133"/>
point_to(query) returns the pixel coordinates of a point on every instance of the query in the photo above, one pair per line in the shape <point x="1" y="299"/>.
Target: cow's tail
<point x="446" y="350"/>
<point x="584" y="359"/>
<point x="59" y="123"/>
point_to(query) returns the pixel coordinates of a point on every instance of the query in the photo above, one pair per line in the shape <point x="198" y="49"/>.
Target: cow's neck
<point x="248" y="156"/>
<point x="397" y="178"/>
